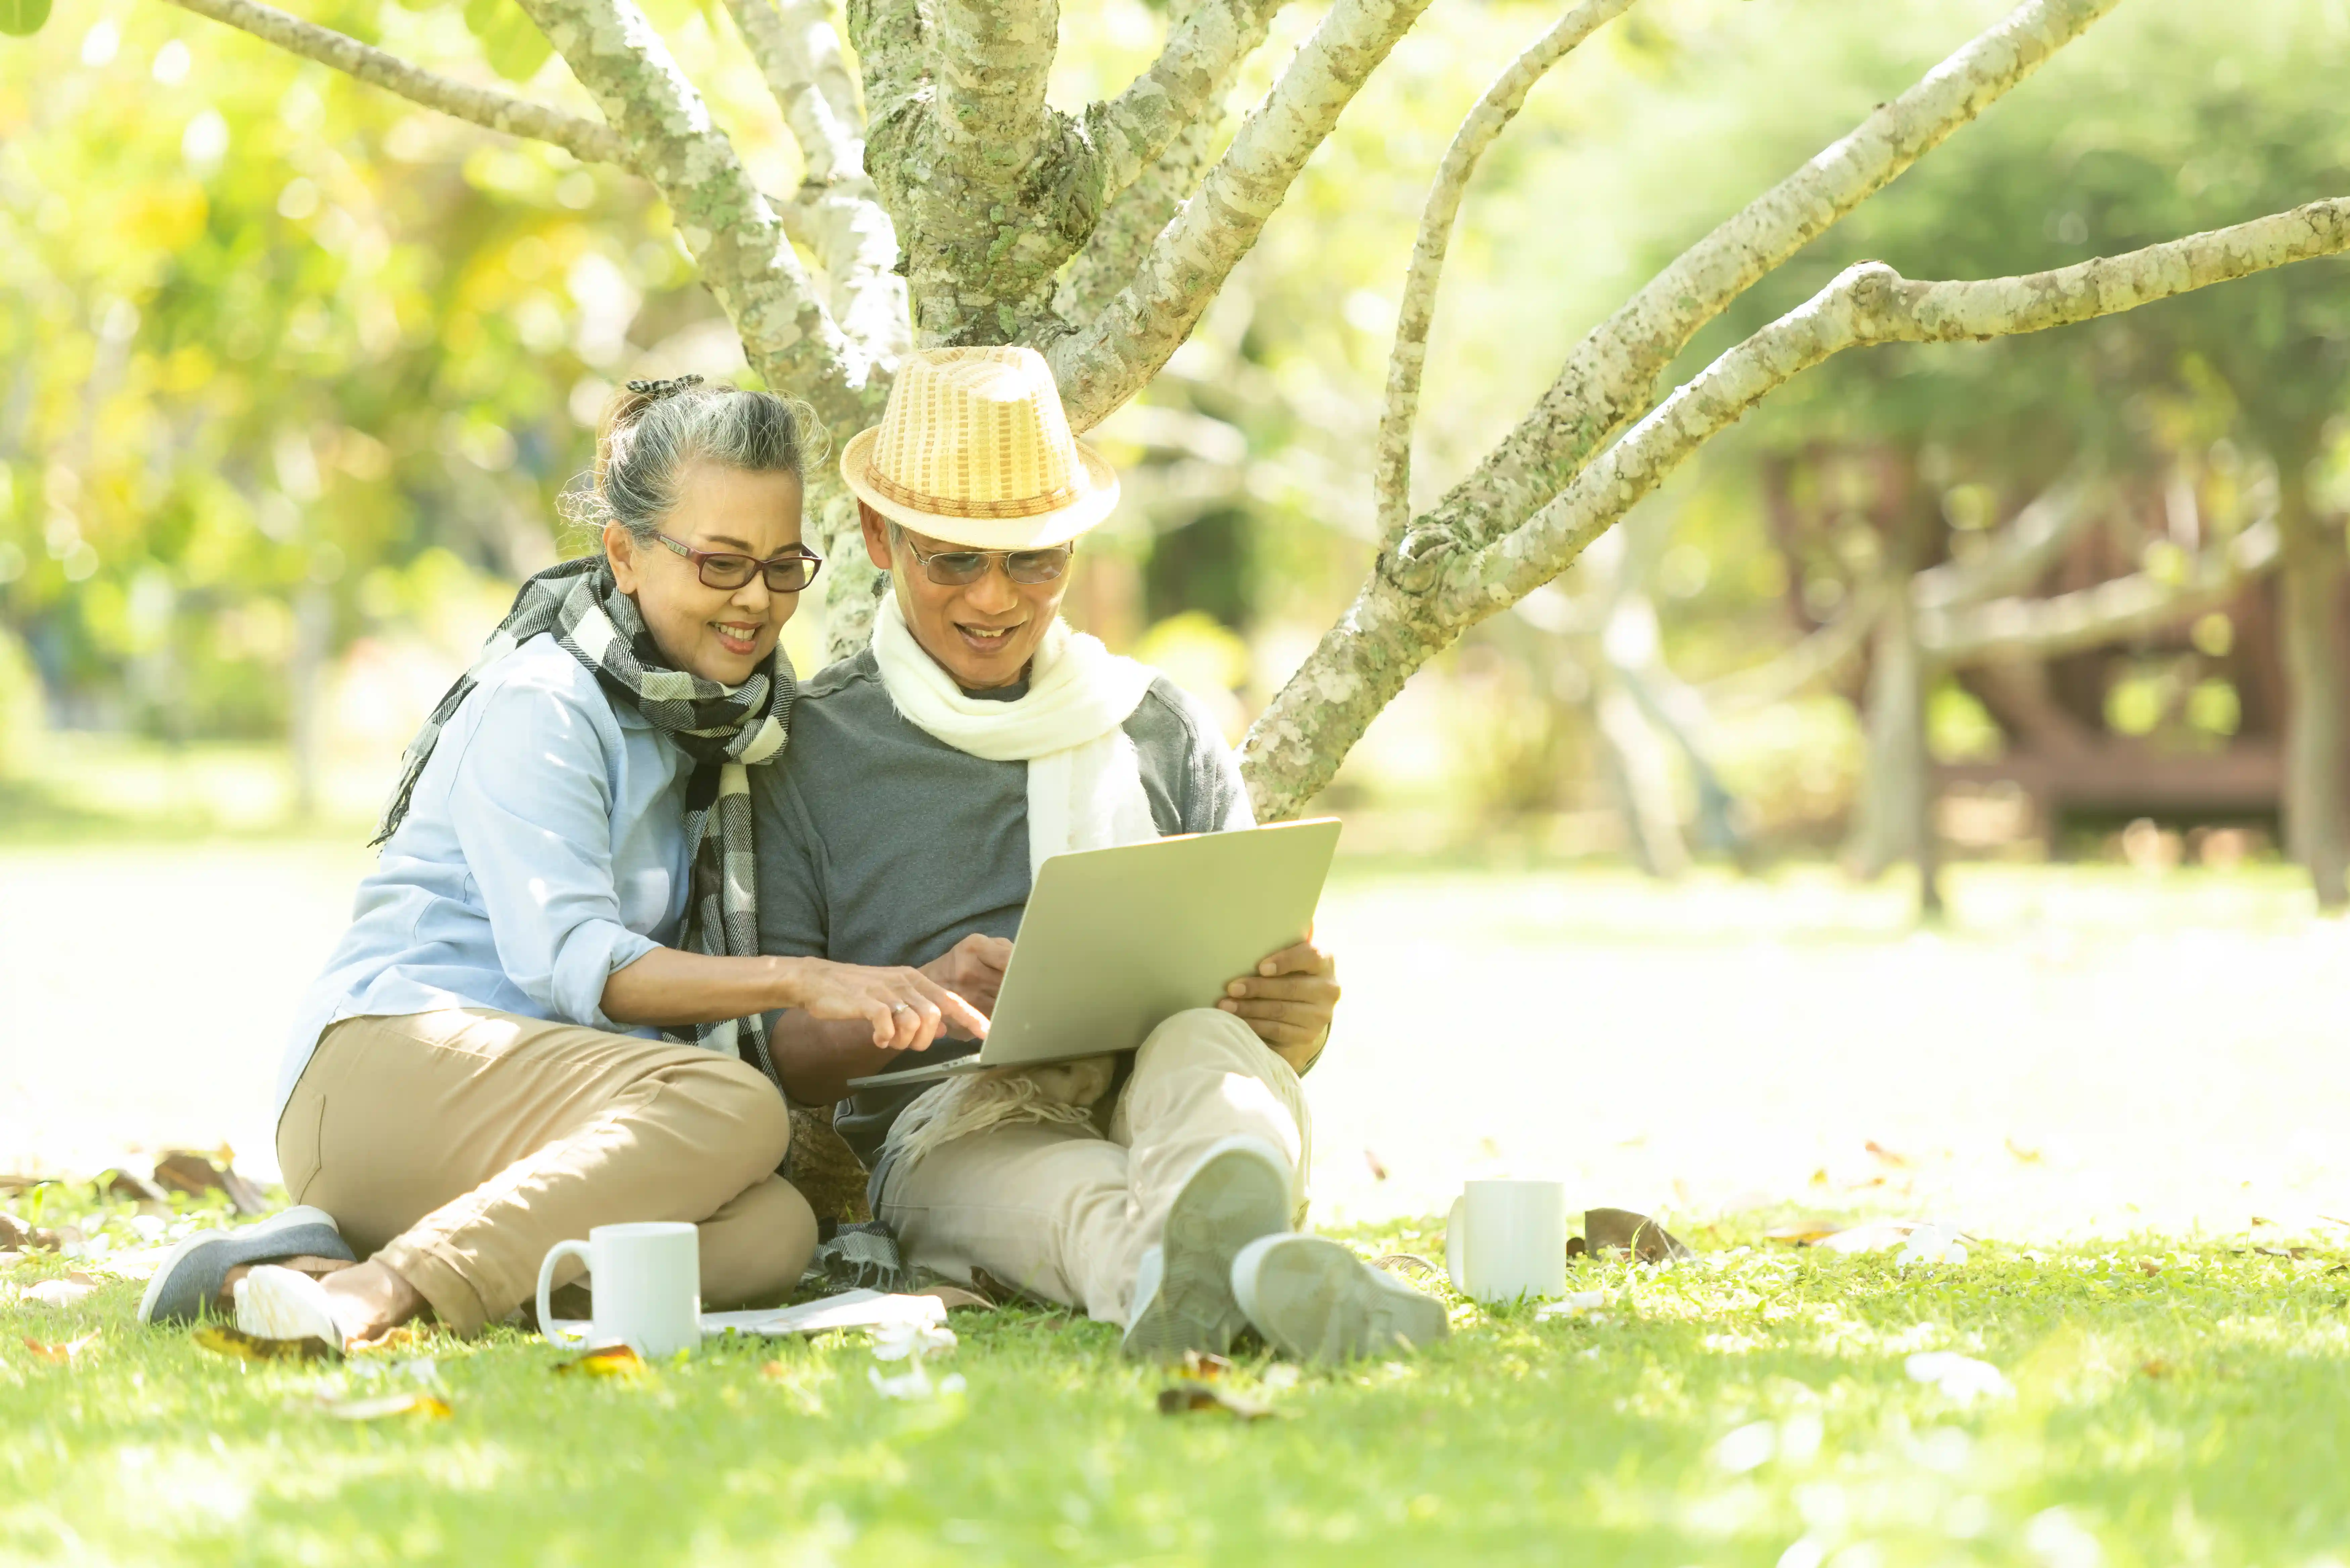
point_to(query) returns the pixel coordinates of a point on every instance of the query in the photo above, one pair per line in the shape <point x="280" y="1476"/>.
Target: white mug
<point x="1506" y="1240"/>
<point x="645" y="1280"/>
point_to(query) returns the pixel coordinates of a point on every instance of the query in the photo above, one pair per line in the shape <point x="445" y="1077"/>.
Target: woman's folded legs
<point x="458" y="1145"/>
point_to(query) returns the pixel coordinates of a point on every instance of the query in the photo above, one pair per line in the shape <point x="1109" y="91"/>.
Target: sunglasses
<point x="787" y="573"/>
<point x="961" y="569"/>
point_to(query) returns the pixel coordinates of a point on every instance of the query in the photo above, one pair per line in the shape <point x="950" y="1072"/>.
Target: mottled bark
<point x="1485" y="120"/>
<point x="1108" y="361"/>
<point x="838" y="212"/>
<point x="728" y="228"/>
<point x="1388" y="632"/>
<point x="1186" y="82"/>
<point x="583" y="139"/>
<point x="1890" y="814"/>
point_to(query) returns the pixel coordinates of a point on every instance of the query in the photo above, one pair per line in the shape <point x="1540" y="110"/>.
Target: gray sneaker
<point x="189" y="1281"/>
<point x="1314" y="1299"/>
<point x="1183" y="1289"/>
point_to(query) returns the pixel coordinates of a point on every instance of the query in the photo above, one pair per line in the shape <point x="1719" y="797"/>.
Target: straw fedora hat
<point x="974" y="448"/>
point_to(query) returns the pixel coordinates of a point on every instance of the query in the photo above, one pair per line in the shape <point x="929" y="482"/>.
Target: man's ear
<point x="876" y="535"/>
<point x="621" y="551"/>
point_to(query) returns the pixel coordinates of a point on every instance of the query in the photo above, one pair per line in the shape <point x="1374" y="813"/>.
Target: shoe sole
<point x="188" y="1279"/>
<point x="1238" y="1193"/>
<point x="1316" y="1300"/>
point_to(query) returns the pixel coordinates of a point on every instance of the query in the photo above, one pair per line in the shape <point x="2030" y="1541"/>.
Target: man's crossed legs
<point x="1196" y="1193"/>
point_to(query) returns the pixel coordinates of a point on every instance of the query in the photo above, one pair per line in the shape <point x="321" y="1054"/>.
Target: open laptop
<point x="1115" y="941"/>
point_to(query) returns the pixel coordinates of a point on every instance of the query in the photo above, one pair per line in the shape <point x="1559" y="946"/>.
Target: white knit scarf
<point x="1085" y="792"/>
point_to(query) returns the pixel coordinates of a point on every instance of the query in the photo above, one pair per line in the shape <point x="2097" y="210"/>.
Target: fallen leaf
<point x="2259" y="1220"/>
<point x="603" y="1361"/>
<point x="124" y="1184"/>
<point x="2155" y="1366"/>
<point x="193" y="1172"/>
<point x="1637" y="1233"/>
<point x="1205" y="1364"/>
<point x="1395" y="1261"/>
<point x="2027" y="1155"/>
<point x="426" y="1407"/>
<point x="1378" y="1171"/>
<point x="1897" y="1162"/>
<point x="1803" y="1233"/>
<point x="69" y="1290"/>
<point x="2148" y="1266"/>
<point x="238" y="1345"/>
<point x="1190" y="1395"/>
<point x="22" y="1236"/>
<point x="65" y="1353"/>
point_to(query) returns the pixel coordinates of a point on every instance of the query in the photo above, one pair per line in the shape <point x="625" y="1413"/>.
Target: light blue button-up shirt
<point x="543" y="849"/>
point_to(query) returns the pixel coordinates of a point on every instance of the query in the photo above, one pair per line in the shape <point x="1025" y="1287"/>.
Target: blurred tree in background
<point x="296" y="371"/>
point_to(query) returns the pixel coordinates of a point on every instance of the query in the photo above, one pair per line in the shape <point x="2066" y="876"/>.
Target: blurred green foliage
<point x="289" y="364"/>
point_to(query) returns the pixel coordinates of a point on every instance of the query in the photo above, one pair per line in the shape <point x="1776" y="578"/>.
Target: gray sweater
<point x="880" y="843"/>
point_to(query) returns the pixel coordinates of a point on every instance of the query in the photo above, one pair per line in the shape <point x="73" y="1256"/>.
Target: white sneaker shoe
<point x="1183" y="1289"/>
<point x="1314" y="1299"/>
<point x="281" y="1303"/>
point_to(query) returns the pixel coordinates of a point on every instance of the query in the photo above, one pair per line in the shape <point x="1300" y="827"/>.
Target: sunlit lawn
<point x="2127" y="1087"/>
<point x="2166" y="1404"/>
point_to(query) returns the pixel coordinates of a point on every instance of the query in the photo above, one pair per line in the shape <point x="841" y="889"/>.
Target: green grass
<point x="2196" y="1413"/>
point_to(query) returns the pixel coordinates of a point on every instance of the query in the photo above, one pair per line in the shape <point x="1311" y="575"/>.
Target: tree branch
<point x="991" y="59"/>
<point x="1767" y="685"/>
<point x="2025" y="628"/>
<point x="582" y="137"/>
<point x="2020" y="554"/>
<point x="837" y="213"/>
<point x="1485" y="120"/>
<point x="798" y="54"/>
<point x="1107" y="362"/>
<point x="733" y="235"/>
<point x="1610" y="376"/>
<point x="1187" y="81"/>
<point x="1388" y="633"/>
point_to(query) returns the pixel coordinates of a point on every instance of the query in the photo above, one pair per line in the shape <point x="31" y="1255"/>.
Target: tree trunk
<point x="2310" y="628"/>
<point x="1892" y="807"/>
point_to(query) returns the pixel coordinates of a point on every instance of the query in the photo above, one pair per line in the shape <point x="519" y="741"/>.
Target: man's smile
<point x="987" y="638"/>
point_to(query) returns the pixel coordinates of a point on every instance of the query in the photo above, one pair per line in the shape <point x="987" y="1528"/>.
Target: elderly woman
<point x="548" y="1011"/>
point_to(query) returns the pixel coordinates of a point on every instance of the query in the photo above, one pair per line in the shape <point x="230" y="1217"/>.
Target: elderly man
<point x="926" y="779"/>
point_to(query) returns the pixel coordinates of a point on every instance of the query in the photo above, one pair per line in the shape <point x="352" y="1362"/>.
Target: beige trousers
<point x="1065" y="1212"/>
<point x="458" y="1145"/>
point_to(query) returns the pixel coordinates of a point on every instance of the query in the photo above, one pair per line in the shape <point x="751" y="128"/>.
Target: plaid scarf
<point x="725" y="731"/>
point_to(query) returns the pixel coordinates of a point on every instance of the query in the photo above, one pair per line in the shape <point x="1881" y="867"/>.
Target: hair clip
<point x="660" y="389"/>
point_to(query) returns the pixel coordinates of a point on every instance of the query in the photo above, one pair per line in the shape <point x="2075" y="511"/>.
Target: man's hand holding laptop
<point x="1288" y="1001"/>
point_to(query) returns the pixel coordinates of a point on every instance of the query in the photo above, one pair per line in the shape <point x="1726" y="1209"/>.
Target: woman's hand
<point x="906" y="1009"/>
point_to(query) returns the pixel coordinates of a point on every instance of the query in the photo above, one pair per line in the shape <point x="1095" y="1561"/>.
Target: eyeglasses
<point x="961" y="569"/>
<point x="787" y="573"/>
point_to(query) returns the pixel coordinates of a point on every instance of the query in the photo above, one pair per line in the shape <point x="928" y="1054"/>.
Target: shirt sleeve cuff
<point x="591" y="955"/>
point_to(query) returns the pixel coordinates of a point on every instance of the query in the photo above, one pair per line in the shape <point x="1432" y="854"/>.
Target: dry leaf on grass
<point x="1646" y="1240"/>
<point x="1191" y="1395"/>
<point x="1205" y="1364"/>
<point x="239" y="1345"/>
<point x="424" y="1405"/>
<point x="1378" y="1171"/>
<point x="195" y="1173"/>
<point x="1803" y="1233"/>
<point x="68" y="1290"/>
<point x="1897" y="1162"/>
<point x="20" y="1235"/>
<point x="64" y="1355"/>
<point x="1396" y="1260"/>
<point x="603" y="1361"/>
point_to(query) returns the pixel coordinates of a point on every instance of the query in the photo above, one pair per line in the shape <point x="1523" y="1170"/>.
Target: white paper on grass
<point x="850" y="1309"/>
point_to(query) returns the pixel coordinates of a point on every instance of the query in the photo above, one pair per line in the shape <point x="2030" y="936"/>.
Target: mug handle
<point x="555" y="1255"/>
<point x="1456" y="1247"/>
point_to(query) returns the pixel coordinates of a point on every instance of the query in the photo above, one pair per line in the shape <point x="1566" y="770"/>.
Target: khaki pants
<point x="458" y="1145"/>
<point x="1065" y="1212"/>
